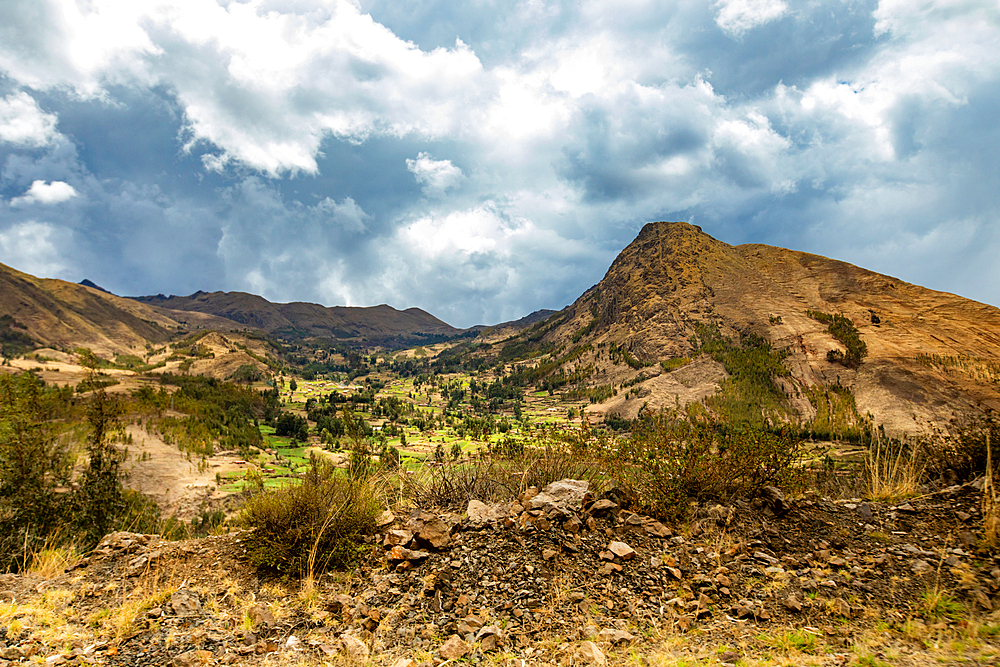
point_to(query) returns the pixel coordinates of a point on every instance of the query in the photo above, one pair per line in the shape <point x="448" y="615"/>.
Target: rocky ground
<point x="559" y="578"/>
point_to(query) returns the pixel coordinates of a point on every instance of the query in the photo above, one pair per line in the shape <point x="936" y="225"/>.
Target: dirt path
<point x="166" y="474"/>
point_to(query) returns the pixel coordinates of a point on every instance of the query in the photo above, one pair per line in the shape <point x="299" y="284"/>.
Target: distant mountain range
<point x="64" y="315"/>
<point x="377" y="325"/>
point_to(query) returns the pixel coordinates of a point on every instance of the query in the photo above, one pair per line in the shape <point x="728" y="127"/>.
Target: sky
<point x="486" y="158"/>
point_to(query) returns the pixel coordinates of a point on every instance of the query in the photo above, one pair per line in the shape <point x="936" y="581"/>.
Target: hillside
<point x="931" y="356"/>
<point x="377" y="325"/>
<point x="63" y="315"/>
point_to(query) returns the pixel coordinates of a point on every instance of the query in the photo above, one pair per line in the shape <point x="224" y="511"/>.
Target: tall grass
<point x="893" y="470"/>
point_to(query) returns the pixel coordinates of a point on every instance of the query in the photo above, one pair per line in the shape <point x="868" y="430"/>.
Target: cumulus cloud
<point x="736" y="17"/>
<point x="41" y="192"/>
<point x="436" y="176"/>
<point x="23" y="123"/>
<point x="35" y="247"/>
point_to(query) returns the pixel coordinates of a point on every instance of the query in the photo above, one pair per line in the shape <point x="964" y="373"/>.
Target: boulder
<point x="429" y="529"/>
<point x="567" y="495"/>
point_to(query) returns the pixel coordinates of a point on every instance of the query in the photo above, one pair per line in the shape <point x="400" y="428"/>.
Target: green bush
<point x="321" y="519"/>
<point x="670" y="460"/>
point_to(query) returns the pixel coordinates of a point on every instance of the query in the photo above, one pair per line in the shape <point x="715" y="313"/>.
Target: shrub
<point x="671" y="460"/>
<point x="311" y="526"/>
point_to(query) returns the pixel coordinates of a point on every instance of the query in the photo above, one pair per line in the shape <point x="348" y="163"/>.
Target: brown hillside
<point x="932" y="355"/>
<point x="66" y="315"/>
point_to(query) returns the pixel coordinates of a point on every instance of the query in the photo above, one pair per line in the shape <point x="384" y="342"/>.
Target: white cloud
<point x="23" y="123"/>
<point x="33" y="247"/>
<point x="735" y="17"/>
<point x="436" y="176"/>
<point x="41" y="192"/>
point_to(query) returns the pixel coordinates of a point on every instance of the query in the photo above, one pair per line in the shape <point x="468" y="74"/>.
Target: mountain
<point x="64" y="315"/>
<point x="376" y="325"/>
<point x="931" y="356"/>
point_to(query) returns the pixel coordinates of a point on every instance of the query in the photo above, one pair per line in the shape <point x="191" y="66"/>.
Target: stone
<point x="603" y="505"/>
<point x="775" y="499"/>
<point x="402" y="553"/>
<point x="354" y="647"/>
<point x="184" y="602"/>
<point x="469" y="624"/>
<point x="454" y="648"/>
<point x="729" y="656"/>
<point x="657" y="529"/>
<point x="385" y="518"/>
<point x="622" y="550"/>
<point x="920" y="566"/>
<point x="490" y="638"/>
<point x="192" y="659"/>
<point x="614" y="636"/>
<point x="573" y="525"/>
<point x="865" y="512"/>
<point x="397" y="537"/>
<point x="259" y="615"/>
<point x="549" y="554"/>
<point x="792" y="603"/>
<point x="429" y="529"/>
<point x="340" y="603"/>
<point x="566" y="494"/>
<point x="841" y="608"/>
<point x="590" y="653"/>
<point x="404" y="662"/>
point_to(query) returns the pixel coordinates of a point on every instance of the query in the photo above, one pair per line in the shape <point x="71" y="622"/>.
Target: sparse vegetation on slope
<point x="841" y="328"/>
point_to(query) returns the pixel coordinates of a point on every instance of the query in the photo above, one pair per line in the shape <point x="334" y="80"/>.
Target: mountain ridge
<point x="674" y="276"/>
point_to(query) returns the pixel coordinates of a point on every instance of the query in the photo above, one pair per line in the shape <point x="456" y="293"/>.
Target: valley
<point x="783" y="459"/>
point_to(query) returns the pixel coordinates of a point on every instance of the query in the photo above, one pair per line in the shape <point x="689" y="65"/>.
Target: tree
<point x="293" y="385"/>
<point x="101" y="498"/>
<point x="33" y="464"/>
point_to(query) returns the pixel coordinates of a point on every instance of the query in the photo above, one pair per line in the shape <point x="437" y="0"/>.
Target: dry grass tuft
<point x="893" y="471"/>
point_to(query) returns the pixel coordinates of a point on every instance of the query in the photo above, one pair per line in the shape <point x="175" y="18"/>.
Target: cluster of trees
<point x="843" y="329"/>
<point x="42" y="503"/>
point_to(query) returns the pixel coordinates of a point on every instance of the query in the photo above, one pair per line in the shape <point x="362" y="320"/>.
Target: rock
<point x="775" y="499"/>
<point x="402" y="553"/>
<point x="489" y="638"/>
<point x="354" y="647"/>
<point x="259" y="615"/>
<point x="614" y="636"/>
<point x="792" y="603"/>
<point x="622" y="550"/>
<point x="404" y="662"/>
<point x="480" y="512"/>
<point x="397" y="538"/>
<point x="340" y="603"/>
<point x="603" y="505"/>
<point x="192" y="659"/>
<point x="729" y="656"/>
<point x="573" y="525"/>
<point x="549" y="554"/>
<point x="841" y="608"/>
<point x="589" y="653"/>
<point x="920" y="566"/>
<point x="184" y="602"/>
<point x="656" y="529"/>
<point x="429" y="529"/>
<point x="566" y="494"/>
<point x="865" y="512"/>
<point x="385" y="518"/>
<point x="468" y="625"/>
<point x="454" y="648"/>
